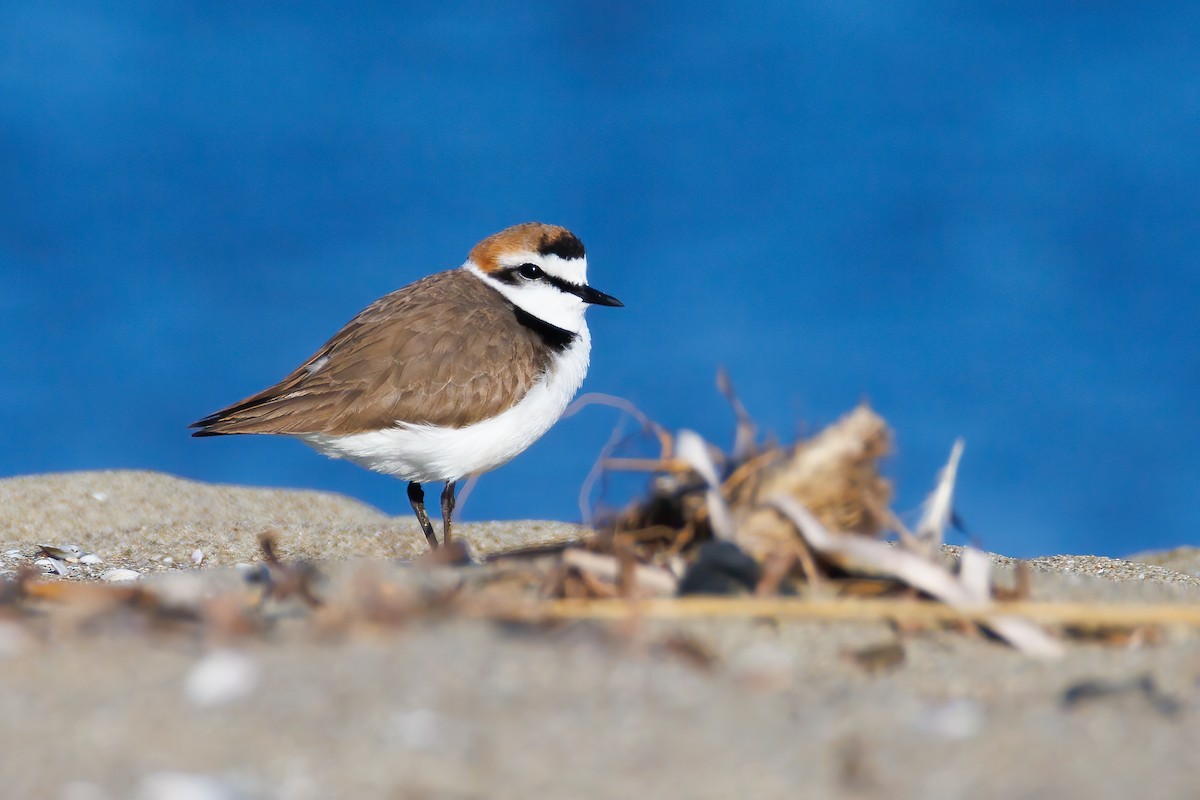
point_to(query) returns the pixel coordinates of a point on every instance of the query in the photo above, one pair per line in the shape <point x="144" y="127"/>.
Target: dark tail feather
<point x="205" y="425"/>
<point x="228" y="420"/>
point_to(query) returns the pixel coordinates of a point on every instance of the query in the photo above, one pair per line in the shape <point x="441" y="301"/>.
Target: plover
<point x="451" y="376"/>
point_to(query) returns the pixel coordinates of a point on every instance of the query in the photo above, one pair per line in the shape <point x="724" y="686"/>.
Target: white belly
<point x="427" y="453"/>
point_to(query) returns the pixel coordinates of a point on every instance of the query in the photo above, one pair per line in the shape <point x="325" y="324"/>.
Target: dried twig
<point x="747" y="431"/>
<point x="676" y="465"/>
<point x="284" y="579"/>
<point x="620" y="403"/>
<point x="1082" y="615"/>
<point x="645" y="581"/>
<point x="596" y="472"/>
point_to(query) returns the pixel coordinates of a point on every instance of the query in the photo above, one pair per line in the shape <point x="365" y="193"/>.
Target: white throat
<point x="539" y="298"/>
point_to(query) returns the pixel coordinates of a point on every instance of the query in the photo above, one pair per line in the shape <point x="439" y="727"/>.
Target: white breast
<point x="428" y="453"/>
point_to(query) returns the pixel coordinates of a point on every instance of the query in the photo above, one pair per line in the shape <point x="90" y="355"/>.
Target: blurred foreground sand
<point x="457" y="708"/>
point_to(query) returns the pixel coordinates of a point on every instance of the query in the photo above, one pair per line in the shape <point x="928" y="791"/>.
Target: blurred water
<point x="982" y="219"/>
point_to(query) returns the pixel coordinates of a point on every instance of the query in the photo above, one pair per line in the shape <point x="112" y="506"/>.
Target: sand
<point x="444" y="706"/>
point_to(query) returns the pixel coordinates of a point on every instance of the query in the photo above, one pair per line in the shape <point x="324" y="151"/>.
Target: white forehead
<point x="572" y="270"/>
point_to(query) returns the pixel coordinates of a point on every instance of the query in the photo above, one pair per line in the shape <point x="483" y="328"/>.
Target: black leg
<point x="417" y="498"/>
<point x="447" y="510"/>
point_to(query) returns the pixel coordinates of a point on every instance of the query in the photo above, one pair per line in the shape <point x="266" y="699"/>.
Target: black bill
<point x="589" y="295"/>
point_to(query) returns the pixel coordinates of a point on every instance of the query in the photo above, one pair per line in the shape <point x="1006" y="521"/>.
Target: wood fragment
<point x="967" y="591"/>
<point x="646" y="581"/>
<point x="1086" y="615"/>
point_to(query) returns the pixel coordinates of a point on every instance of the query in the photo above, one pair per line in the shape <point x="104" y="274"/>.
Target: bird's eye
<point x="530" y="272"/>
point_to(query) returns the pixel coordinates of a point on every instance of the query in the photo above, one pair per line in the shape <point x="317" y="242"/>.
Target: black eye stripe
<point x="561" y="285"/>
<point x="512" y="277"/>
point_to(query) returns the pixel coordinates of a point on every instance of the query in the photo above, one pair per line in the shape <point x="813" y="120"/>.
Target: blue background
<point x="985" y="219"/>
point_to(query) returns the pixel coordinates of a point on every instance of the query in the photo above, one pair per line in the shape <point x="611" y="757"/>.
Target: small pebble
<point x="168" y="560"/>
<point x="764" y="667"/>
<point x="121" y="575"/>
<point x="99" y="496"/>
<point x="13" y="554"/>
<point x="957" y="720"/>
<point x="182" y="589"/>
<point x="219" y="677"/>
<point x="183" y="786"/>
<point x="90" y="558"/>
<point x="197" y="556"/>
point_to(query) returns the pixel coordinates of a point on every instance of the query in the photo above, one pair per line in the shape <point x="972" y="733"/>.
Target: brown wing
<point x="446" y="350"/>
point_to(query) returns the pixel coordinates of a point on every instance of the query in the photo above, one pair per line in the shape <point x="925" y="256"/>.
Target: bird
<point x="450" y="376"/>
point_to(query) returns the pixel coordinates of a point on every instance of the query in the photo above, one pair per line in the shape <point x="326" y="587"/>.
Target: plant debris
<point x="770" y="519"/>
<point x="766" y="531"/>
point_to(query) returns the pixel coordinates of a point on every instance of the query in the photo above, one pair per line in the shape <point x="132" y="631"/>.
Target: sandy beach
<point x="443" y="705"/>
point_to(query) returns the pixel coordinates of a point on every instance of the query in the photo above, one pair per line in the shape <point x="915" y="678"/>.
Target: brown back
<point x="447" y="350"/>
